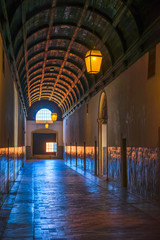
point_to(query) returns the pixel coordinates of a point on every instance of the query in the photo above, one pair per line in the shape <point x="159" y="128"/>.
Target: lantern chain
<point x="93" y="25"/>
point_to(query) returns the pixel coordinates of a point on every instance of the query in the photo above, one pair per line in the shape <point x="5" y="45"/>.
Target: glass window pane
<point x="51" y="147"/>
<point x="44" y="115"/>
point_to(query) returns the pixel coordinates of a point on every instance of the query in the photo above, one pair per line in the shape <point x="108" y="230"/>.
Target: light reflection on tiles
<point x="142" y="166"/>
<point x="11" y="161"/>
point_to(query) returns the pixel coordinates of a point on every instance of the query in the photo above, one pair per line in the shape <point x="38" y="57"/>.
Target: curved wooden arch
<point x="36" y="91"/>
<point x="48" y="66"/>
<point x="62" y="60"/>
<point x="34" y="83"/>
<point x="54" y="100"/>
<point x="81" y="79"/>
<point x="72" y="90"/>
<point x="62" y="83"/>
<point x="54" y="59"/>
<point x="97" y="12"/>
<point x="38" y="76"/>
<point x="59" y="86"/>
<point x="58" y="99"/>
<point x="71" y="73"/>
<point x="66" y="76"/>
<point x="39" y="43"/>
<point x="87" y="29"/>
<point x="56" y="93"/>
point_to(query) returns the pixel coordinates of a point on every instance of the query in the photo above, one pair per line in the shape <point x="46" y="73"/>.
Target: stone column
<point x="100" y="170"/>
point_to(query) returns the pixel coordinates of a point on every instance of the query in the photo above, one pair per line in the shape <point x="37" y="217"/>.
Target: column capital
<point x="100" y="120"/>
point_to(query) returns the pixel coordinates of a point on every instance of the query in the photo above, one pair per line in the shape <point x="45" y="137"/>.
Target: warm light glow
<point x="46" y="125"/>
<point x="93" y="61"/>
<point x="51" y="147"/>
<point x="54" y="116"/>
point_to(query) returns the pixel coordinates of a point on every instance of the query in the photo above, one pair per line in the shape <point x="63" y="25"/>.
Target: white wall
<point x="32" y="126"/>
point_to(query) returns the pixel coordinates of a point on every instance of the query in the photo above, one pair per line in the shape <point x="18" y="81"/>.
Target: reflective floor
<point x="52" y="201"/>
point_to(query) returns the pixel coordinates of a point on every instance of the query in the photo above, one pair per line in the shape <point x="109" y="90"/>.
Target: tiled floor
<point x="52" y="201"/>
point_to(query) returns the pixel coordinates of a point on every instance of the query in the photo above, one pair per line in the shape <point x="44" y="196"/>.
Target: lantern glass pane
<point x="54" y="116"/>
<point x="88" y="65"/>
<point x="93" y="61"/>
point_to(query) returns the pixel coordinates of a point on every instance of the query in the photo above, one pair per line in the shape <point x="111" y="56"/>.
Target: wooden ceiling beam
<point x="60" y="49"/>
<point x="68" y="92"/>
<point x="71" y="72"/>
<point x="55" y="73"/>
<point x="60" y="84"/>
<point x="36" y="99"/>
<point x="71" y="43"/>
<point x="52" y="77"/>
<point x="115" y="22"/>
<point x="88" y="30"/>
<point x="52" y="12"/>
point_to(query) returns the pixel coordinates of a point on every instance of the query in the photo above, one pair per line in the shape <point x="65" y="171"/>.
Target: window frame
<point x="44" y="112"/>
<point x="52" y="146"/>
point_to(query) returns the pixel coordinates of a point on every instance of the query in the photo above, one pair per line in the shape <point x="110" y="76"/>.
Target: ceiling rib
<point x="55" y="100"/>
<point x="84" y="29"/>
<point x="52" y="76"/>
<point x="60" y="58"/>
<point x="120" y="13"/>
<point x="64" y="76"/>
<point x="52" y="12"/>
<point x="36" y="32"/>
<point x="58" y="92"/>
<point x="52" y="49"/>
<point x="25" y="49"/>
<point x="61" y="84"/>
<point x="70" y="44"/>
<point x="77" y="80"/>
<point x="115" y="23"/>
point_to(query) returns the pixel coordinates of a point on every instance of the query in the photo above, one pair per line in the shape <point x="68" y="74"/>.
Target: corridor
<point x="49" y="200"/>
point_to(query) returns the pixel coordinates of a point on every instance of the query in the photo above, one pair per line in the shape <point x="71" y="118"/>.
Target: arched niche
<point x="103" y="136"/>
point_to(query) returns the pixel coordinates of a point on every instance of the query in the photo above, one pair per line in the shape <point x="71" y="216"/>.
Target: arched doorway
<point x="102" y="135"/>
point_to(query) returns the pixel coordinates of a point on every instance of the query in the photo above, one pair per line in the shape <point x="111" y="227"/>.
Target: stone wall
<point x="32" y="126"/>
<point x="133" y="113"/>
<point x="12" y="128"/>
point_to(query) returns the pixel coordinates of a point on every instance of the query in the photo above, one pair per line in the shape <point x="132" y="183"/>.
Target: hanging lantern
<point x="93" y="61"/>
<point x="54" y="116"/>
<point x="46" y="125"/>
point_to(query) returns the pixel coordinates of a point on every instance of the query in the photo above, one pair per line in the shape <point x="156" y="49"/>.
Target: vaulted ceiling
<point x="47" y="41"/>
